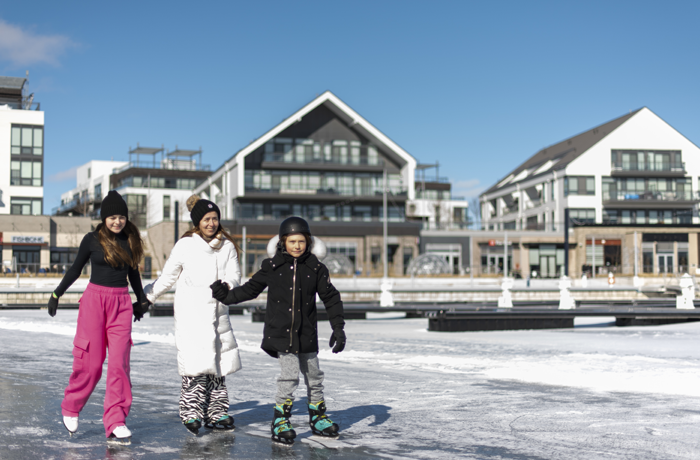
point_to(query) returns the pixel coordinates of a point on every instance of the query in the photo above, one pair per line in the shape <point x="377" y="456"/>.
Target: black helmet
<point x="294" y="225"/>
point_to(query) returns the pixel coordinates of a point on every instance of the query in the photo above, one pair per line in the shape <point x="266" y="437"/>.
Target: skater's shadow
<point x="350" y="416"/>
<point x="256" y="412"/>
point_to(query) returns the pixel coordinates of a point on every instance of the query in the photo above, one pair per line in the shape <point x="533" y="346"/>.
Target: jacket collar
<point x="281" y="259"/>
<point x="211" y="246"/>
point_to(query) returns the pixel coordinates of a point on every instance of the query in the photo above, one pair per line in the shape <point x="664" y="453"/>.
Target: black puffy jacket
<point x="290" y="316"/>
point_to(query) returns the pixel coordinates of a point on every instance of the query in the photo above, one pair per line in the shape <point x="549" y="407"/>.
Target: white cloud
<point x="467" y="188"/>
<point x="24" y="47"/>
<point x="64" y="175"/>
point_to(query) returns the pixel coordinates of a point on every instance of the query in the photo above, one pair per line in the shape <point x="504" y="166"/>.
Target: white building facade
<point x="636" y="169"/>
<point x="21" y="150"/>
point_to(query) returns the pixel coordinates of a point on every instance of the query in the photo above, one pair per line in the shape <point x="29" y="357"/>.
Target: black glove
<point x="53" y="305"/>
<point x="140" y="309"/>
<point x="219" y="290"/>
<point x="338" y="338"/>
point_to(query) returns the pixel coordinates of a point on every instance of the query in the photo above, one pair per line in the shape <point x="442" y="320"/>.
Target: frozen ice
<point x="397" y="391"/>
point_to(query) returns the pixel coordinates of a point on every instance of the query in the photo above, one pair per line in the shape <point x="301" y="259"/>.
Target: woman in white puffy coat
<point x="206" y="347"/>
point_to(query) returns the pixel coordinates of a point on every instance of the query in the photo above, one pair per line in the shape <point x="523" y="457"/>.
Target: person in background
<point x="114" y="250"/>
<point x="206" y="348"/>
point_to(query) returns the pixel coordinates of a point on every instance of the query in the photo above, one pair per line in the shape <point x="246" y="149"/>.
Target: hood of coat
<point x="213" y="245"/>
<point x="318" y="247"/>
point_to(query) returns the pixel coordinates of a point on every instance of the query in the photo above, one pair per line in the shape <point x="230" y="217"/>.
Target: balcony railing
<point x="512" y="208"/>
<point x="651" y="196"/>
<point x="364" y="191"/>
<point x="310" y="158"/>
<point x="651" y="167"/>
<point x="86" y="201"/>
<point x="180" y="165"/>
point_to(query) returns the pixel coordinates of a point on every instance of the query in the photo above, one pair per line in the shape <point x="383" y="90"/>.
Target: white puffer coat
<point x="203" y="333"/>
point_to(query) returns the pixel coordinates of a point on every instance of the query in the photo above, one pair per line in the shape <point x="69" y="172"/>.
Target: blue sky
<point x="477" y="86"/>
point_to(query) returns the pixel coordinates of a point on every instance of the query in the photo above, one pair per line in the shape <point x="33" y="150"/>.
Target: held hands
<point x="140" y="309"/>
<point x="219" y="290"/>
<point x="338" y="338"/>
<point x="53" y="304"/>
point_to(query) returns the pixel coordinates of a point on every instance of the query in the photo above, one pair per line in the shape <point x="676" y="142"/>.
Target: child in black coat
<point x="293" y="276"/>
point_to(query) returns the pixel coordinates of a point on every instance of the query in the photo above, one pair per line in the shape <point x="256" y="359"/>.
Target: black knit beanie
<point x="113" y="205"/>
<point x="202" y="207"/>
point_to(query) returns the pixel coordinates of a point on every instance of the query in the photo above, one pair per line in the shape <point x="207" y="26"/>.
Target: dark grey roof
<point x="184" y="153"/>
<point x="565" y="151"/>
<point x="12" y="83"/>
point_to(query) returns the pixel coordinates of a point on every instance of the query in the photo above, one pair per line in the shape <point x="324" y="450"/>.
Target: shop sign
<point x="28" y="239"/>
<point x="492" y="242"/>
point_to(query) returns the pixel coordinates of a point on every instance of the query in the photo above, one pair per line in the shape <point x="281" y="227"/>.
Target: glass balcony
<point x="650" y="167"/>
<point x="614" y="195"/>
<point x="308" y="157"/>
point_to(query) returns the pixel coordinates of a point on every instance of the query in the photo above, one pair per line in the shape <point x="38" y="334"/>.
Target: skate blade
<point x="327" y="436"/>
<point x="283" y="442"/>
<point x="119" y="441"/>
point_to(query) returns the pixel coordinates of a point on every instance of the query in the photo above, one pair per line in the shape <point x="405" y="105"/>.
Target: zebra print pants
<point x="204" y="397"/>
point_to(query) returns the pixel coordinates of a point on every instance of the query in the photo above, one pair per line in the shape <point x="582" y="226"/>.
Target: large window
<point x="582" y="216"/>
<point x="137" y="209"/>
<point x="26" y="206"/>
<point x="27" y="140"/>
<point x="649" y="160"/>
<point x="579" y="185"/>
<point x="647" y="216"/>
<point x="287" y="150"/>
<point x="647" y="188"/>
<point x="159" y="182"/>
<point x="25" y="173"/>
<point x="327" y="183"/>
<point x="314" y="212"/>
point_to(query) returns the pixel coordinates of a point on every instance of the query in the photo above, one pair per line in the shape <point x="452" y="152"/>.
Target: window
<point x="137" y="209"/>
<point x="27" y="139"/>
<point x="25" y="173"/>
<point x="166" y="207"/>
<point x="509" y="225"/>
<point x="98" y="192"/>
<point x="654" y="160"/>
<point x="26" y="206"/>
<point x="582" y="216"/>
<point x="579" y="185"/>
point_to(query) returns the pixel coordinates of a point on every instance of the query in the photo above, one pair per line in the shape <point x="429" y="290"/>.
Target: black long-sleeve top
<point x="102" y="274"/>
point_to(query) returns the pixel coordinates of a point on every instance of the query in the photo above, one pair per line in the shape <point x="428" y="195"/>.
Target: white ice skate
<point x="71" y="424"/>
<point x="120" y="436"/>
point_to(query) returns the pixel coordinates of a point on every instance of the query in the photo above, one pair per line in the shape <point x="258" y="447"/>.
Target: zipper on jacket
<point x="294" y="291"/>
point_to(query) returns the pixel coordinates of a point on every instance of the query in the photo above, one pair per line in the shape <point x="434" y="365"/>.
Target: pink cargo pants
<point x="104" y="322"/>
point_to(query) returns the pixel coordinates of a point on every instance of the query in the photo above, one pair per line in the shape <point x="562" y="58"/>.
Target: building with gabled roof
<point x="326" y="163"/>
<point x="635" y="169"/>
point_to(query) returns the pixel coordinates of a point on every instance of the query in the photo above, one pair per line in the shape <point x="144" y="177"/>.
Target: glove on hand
<point x="53" y="304"/>
<point x="338" y="338"/>
<point x="140" y="309"/>
<point x="219" y="290"/>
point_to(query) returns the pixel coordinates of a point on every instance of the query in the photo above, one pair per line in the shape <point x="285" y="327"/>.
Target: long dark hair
<point x="115" y="255"/>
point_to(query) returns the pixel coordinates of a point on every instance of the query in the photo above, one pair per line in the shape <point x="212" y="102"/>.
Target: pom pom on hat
<point x="199" y="207"/>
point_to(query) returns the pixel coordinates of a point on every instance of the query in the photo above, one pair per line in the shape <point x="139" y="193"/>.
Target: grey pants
<point x="288" y="380"/>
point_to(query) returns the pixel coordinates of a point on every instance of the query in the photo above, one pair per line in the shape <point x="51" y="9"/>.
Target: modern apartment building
<point x="151" y="182"/>
<point x="21" y="150"/>
<point x="434" y="205"/>
<point x="635" y="170"/>
<point x="327" y="164"/>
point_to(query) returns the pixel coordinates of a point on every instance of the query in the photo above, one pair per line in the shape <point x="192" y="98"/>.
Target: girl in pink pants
<point x="114" y="250"/>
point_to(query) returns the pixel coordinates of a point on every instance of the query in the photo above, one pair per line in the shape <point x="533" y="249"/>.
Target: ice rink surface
<point x="397" y="391"/>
